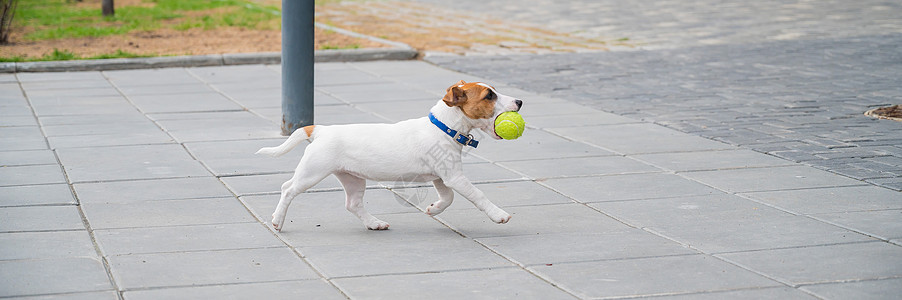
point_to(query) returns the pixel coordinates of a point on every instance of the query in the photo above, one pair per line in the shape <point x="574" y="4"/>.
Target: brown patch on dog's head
<point x="476" y="100"/>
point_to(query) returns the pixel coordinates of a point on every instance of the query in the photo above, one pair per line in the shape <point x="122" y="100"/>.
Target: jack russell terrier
<point x="356" y="153"/>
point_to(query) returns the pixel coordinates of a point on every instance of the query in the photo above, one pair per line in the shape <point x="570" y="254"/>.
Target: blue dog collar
<point x="466" y="140"/>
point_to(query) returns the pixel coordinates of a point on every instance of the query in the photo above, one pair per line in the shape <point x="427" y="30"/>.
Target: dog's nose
<point x="519" y="103"/>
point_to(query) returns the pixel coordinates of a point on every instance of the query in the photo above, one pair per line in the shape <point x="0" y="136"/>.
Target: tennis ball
<point x="509" y="125"/>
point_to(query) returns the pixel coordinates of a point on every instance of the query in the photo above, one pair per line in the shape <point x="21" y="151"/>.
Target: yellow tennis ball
<point x="509" y="125"/>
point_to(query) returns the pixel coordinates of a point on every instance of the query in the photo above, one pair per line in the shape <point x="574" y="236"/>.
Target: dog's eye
<point x="491" y="95"/>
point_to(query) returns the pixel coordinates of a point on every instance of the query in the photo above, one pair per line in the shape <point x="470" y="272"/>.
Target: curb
<point x="399" y="51"/>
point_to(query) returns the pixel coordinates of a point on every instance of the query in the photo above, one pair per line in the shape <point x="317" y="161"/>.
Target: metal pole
<point x="297" y="64"/>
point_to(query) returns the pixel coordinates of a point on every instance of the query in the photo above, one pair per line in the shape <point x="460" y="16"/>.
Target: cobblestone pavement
<point x="797" y="98"/>
<point x="681" y="23"/>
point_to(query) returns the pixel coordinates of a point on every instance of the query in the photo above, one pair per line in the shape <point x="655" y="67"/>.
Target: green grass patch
<point x="58" y="19"/>
<point x="66" y="55"/>
<point x="332" y="47"/>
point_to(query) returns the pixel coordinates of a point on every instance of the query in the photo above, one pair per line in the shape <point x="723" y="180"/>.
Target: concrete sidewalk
<point x="142" y="184"/>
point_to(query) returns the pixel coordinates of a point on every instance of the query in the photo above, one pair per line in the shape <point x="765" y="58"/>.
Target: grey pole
<point x="297" y="64"/>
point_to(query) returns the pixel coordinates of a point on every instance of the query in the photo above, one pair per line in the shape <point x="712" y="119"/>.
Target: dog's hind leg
<point x="354" y="188"/>
<point x="445" y="197"/>
<point x="305" y="177"/>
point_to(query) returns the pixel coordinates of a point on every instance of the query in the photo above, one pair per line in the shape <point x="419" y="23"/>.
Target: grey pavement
<point x="788" y="78"/>
<point x="142" y="184"/>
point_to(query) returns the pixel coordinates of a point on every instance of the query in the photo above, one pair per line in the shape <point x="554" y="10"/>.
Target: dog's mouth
<point x="494" y="135"/>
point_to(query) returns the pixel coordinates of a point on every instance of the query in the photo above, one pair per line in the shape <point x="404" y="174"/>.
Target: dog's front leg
<point x="445" y="197"/>
<point x="463" y="186"/>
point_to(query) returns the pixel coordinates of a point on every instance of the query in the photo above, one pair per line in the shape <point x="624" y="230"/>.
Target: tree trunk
<point x="108" y="9"/>
<point x="7" y="11"/>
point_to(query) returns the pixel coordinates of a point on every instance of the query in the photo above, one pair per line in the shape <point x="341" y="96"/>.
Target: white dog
<point x="386" y="152"/>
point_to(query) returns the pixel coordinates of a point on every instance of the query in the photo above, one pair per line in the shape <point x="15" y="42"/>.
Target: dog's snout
<point x="519" y="103"/>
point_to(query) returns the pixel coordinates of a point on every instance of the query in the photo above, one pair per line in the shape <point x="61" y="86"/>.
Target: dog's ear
<point x="456" y="95"/>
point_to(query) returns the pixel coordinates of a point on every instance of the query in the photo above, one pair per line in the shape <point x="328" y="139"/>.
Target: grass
<point x="67" y="55"/>
<point x="331" y="47"/>
<point x="58" y="19"/>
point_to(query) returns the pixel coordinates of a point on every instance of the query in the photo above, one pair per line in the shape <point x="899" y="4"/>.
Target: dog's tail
<point x="296" y="137"/>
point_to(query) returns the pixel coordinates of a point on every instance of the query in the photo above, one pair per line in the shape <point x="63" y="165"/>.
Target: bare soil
<point x="425" y="27"/>
<point x="176" y="42"/>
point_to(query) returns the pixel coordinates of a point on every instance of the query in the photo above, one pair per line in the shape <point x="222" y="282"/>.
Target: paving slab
<point x="650" y="276"/>
<point x="332" y="203"/>
<point x="20" y="120"/>
<point x="580" y="166"/>
<point x="45" y="194"/>
<point x="185" y="238"/>
<point x="232" y="158"/>
<point x="265" y="97"/>
<point x="121" y="129"/>
<point x="541" y="249"/>
<point x="883" y="224"/>
<point x="30" y="86"/>
<point x="498" y="283"/>
<point x="141" y="271"/>
<point x="190" y="102"/>
<point x="639" y="138"/>
<point x="822" y="264"/>
<point x="295" y="289"/>
<point x="831" y="199"/>
<point x="345" y="77"/>
<point x="411" y="257"/>
<point x="147" y="190"/>
<point x="870" y="289"/>
<point x="242" y="125"/>
<point x="723" y="223"/>
<point x="628" y="187"/>
<point x="58" y="77"/>
<point x="485" y="172"/>
<point x="27" y="157"/>
<point x="749" y="294"/>
<point x="574" y="120"/>
<point x="532" y="220"/>
<point x="503" y="194"/>
<point x="129" y="162"/>
<point x="49" y="244"/>
<point x="534" y="144"/>
<point x="272" y="183"/>
<point x="31" y="175"/>
<point x="347" y="230"/>
<point x="166" y="213"/>
<point x="77" y="104"/>
<point x="170" y="228"/>
<point x="40" y="218"/>
<point x="770" y="179"/>
<point x="148" y="137"/>
<point x="338" y="119"/>
<point x="14" y="107"/>
<point x="151" y="77"/>
<point x="63" y="93"/>
<point x="234" y="74"/>
<point x="106" y="295"/>
<point x="21" y="132"/>
<point x="399" y="110"/>
<point x="383" y="92"/>
<point x="131" y="116"/>
<point x="52" y="276"/>
<point x="23" y="143"/>
<point x="711" y="160"/>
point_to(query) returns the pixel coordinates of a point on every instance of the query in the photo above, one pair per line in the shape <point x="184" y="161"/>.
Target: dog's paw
<point x="435" y="208"/>
<point x="377" y="225"/>
<point x="499" y="216"/>
<point x="278" y="222"/>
